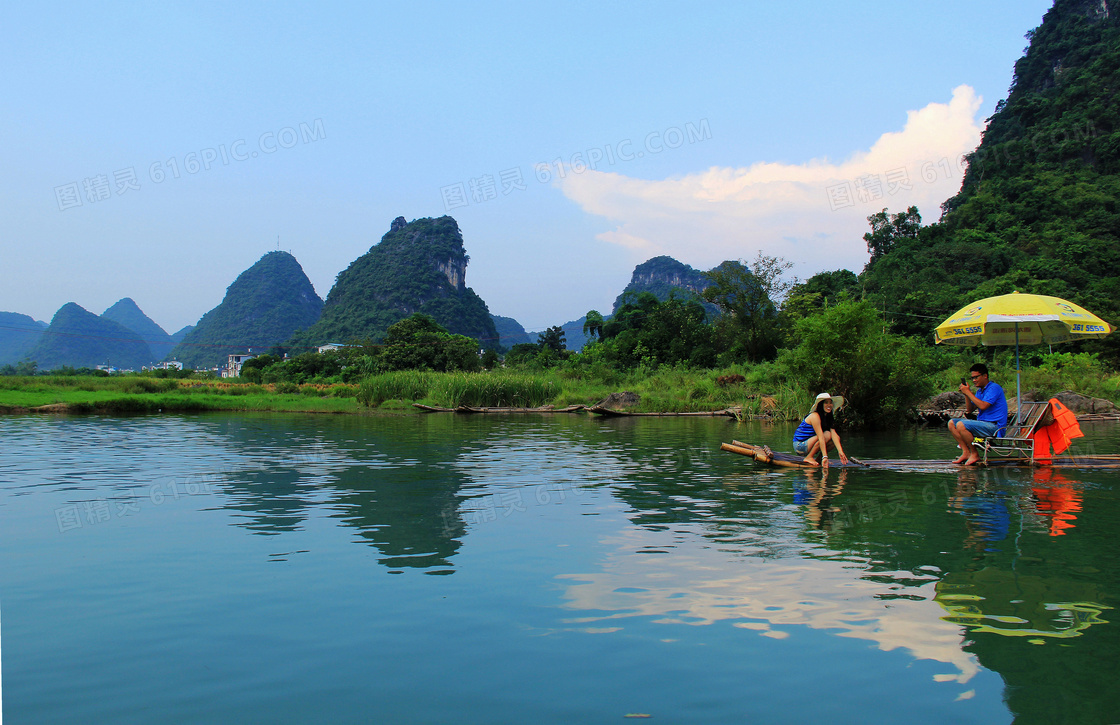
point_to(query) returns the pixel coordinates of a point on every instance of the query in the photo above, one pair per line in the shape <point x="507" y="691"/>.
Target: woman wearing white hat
<point x="816" y="431"/>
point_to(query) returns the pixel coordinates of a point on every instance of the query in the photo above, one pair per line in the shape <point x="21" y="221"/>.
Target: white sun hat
<point x="837" y="402"/>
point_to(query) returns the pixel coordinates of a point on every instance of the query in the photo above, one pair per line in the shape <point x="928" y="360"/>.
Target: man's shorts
<point x="801" y="448"/>
<point x="978" y="428"/>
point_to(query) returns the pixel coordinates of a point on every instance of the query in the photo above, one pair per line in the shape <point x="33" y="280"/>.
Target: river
<point x="269" y="568"/>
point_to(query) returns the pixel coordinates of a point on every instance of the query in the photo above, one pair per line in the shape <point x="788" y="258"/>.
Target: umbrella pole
<point x="1018" y="390"/>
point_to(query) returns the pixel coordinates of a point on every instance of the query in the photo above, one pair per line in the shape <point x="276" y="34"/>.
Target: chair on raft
<point x="1017" y="438"/>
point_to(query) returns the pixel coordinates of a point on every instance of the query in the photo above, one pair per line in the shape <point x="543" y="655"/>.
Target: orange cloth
<point x="1066" y="421"/>
<point x="1058" y="434"/>
<point x="1043" y="441"/>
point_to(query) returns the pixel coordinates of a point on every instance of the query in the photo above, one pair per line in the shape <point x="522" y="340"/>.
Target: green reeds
<point x="410" y="385"/>
<point x="493" y="390"/>
<point x="450" y="390"/>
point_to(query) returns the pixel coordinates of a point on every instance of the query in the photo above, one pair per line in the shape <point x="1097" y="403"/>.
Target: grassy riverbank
<point x="133" y="394"/>
<point x="670" y="390"/>
<point x="763" y="389"/>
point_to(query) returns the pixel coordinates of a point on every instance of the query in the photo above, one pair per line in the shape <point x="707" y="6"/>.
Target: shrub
<point x="846" y="350"/>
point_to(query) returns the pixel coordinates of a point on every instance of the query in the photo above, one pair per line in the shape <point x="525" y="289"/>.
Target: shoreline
<point x="660" y="398"/>
<point x="139" y="406"/>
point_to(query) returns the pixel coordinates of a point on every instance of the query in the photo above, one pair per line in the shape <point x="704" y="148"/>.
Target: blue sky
<point x="716" y="130"/>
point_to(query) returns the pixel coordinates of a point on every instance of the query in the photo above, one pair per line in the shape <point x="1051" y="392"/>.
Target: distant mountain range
<point x="18" y="335"/>
<point x="418" y="266"/>
<point x="79" y="338"/>
<point x="510" y="332"/>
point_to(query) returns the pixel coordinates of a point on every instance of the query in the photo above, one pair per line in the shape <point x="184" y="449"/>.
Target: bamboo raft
<point x="731" y="412"/>
<point x="763" y="454"/>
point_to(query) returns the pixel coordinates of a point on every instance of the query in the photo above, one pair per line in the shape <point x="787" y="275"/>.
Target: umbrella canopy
<point x="1020" y="319"/>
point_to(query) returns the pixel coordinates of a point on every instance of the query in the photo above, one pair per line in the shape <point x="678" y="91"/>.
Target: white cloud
<point x="813" y="214"/>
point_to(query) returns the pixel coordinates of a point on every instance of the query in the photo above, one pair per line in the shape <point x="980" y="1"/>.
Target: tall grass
<point x="764" y="392"/>
<point x="450" y="390"/>
<point x="408" y="385"/>
<point x="494" y="390"/>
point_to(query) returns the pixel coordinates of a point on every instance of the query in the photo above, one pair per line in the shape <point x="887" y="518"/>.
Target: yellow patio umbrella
<point x="1016" y="319"/>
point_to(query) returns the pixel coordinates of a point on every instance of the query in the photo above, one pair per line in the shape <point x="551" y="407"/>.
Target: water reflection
<point x="817" y="491"/>
<point x="701" y="585"/>
<point x="1057" y="500"/>
<point x="369" y="478"/>
<point x="1008" y="603"/>
<point x="985" y="511"/>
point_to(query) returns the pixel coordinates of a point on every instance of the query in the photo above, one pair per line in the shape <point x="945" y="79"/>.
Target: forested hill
<point x="418" y="266"/>
<point x="262" y="308"/>
<point x="662" y="275"/>
<point x="129" y="314"/>
<point x="1039" y="207"/>
<point x="78" y="338"/>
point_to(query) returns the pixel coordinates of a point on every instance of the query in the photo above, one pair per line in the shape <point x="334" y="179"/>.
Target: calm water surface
<point x="489" y="569"/>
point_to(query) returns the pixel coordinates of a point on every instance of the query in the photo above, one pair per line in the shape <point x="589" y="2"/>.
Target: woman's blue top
<point x="804" y="432"/>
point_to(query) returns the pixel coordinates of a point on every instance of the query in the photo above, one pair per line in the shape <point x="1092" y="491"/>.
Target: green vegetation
<point x="141" y="394"/>
<point x="845" y="350"/>
<point x="1039" y="208"/>
<point x="499" y="389"/>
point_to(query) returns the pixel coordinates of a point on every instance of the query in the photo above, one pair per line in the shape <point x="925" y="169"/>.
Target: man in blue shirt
<point x="992" y="418"/>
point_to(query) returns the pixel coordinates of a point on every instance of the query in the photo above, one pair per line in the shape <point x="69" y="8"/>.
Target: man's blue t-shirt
<point x="996" y="412"/>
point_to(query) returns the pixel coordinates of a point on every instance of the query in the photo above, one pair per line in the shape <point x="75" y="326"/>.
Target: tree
<point x="253" y="369"/>
<point x="820" y="291"/>
<point x="634" y="307"/>
<point x="846" y="350"/>
<point x="421" y="343"/>
<point x="522" y="353"/>
<point x="748" y="298"/>
<point x="593" y="324"/>
<point x="646" y="332"/>
<point x="553" y="339"/>
<point x="887" y="230"/>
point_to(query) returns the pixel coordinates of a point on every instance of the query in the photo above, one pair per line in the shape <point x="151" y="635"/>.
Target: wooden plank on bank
<point x="477" y="409"/>
<point x="704" y="413"/>
<point x="542" y="409"/>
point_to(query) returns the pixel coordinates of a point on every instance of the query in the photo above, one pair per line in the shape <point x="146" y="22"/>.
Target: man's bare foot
<point x="961" y="458"/>
<point x="972" y="460"/>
